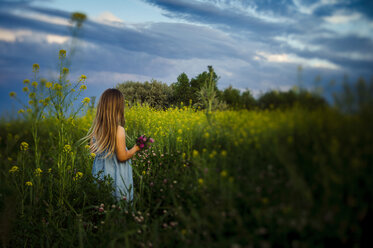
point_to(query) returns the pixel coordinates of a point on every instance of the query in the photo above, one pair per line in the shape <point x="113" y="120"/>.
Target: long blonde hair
<point x="109" y="114"/>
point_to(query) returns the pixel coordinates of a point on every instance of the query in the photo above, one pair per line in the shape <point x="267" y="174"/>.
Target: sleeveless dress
<point x="121" y="172"/>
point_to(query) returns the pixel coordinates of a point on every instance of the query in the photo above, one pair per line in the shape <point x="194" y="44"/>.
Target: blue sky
<point x="254" y="45"/>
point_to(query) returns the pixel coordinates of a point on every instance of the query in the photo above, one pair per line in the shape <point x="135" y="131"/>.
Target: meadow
<point x="262" y="178"/>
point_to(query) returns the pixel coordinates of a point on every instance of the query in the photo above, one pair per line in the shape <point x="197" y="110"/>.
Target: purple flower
<point x="144" y="139"/>
<point x="141" y="145"/>
<point x="151" y="140"/>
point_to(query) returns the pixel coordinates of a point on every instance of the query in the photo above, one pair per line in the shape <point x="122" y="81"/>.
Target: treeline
<point x="202" y="90"/>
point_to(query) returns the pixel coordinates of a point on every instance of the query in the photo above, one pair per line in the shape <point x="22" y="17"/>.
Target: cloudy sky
<point x="255" y="45"/>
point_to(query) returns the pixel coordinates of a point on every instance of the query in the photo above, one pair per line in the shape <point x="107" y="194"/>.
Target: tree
<point x="232" y="97"/>
<point x="182" y="89"/>
<point x="197" y="83"/>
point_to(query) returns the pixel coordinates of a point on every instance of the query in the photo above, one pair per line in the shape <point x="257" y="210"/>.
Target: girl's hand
<point x="137" y="148"/>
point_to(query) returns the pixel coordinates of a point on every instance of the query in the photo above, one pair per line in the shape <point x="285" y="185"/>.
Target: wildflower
<point x="29" y="183"/>
<point x="48" y="84"/>
<point x="38" y="171"/>
<point x="223" y="173"/>
<point x="204" y="150"/>
<point x="67" y="148"/>
<point x="62" y="53"/>
<point x="24" y="146"/>
<point x="224" y="153"/>
<point x="200" y="181"/>
<point x="87" y="146"/>
<point x="195" y="153"/>
<point x="207" y="135"/>
<point x="101" y="209"/>
<point x="12" y="94"/>
<point x="21" y="111"/>
<point x="86" y="100"/>
<point x="29" y="110"/>
<point x="35" y="67"/>
<point x="57" y="86"/>
<point x="83" y="87"/>
<point x="35" y="84"/>
<point x="183" y="155"/>
<point x="180" y="131"/>
<point x="25" y="89"/>
<point x="65" y="70"/>
<point x="78" y="175"/>
<point x="14" y="169"/>
<point x="143" y="172"/>
<point x="49" y="170"/>
<point x="83" y="77"/>
<point x="32" y="94"/>
<point x="30" y="102"/>
<point x="26" y="81"/>
<point x="93" y="155"/>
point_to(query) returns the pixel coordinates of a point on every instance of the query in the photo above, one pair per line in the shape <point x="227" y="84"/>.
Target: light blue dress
<point x="121" y="172"/>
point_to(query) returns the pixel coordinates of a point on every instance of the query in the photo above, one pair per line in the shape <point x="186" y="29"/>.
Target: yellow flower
<point x="143" y="172"/>
<point x="223" y="173"/>
<point x="78" y="175"/>
<point x="30" y="102"/>
<point x="200" y="181"/>
<point x="29" y="183"/>
<point x="83" y="87"/>
<point x="195" y="153"/>
<point x="24" y="146"/>
<point x="224" y="153"/>
<point x="65" y="70"/>
<point x="12" y="94"/>
<point x="14" y="169"/>
<point x="207" y="135"/>
<point x="93" y="155"/>
<point x="204" y="150"/>
<point x="49" y="170"/>
<point x="41" y="101"/>
<point x="87" y="146"/>
<point x="67" y="148"/>
<point x="32" y="94"/>
<point x="48" y="84"/>
<point x="35" y="84"/>
<point x="43" y="116"/>
<point x="86" y="100"/>
<point x="25" y="89"/>
<point x="183" y="155"/>
<point x="38" y="171"/>
<point x="180" y="131"/>
<point x="57" y="86"/>
<point x="21" y="111"/>
<point x="62" y="54"/>
<point x="35" y="67"/>
<point x="26" y="81"/>
<point x="29" y="110"/>
<point x="83" y="77"/>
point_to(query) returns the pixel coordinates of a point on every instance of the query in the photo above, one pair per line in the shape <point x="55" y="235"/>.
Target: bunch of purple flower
<point x="144" y="142"/>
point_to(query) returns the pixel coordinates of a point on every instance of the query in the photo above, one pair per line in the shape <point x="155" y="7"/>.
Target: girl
<point x="108" y="141"/>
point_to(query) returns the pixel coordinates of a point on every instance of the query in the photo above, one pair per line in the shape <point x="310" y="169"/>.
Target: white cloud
<point x="8" y="35"/>
<point x="309" y="9"/>
<point x="109" y="18"/>
<point x="292" y="58"/>
<point x="342" y="17"/>
<point x="51" y="38"/>
<point x="41" y="17"/>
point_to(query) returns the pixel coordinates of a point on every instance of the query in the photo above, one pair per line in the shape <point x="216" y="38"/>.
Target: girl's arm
<point x="120" y="148"/>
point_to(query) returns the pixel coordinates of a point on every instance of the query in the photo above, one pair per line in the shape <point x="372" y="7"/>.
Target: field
<point x="273" y="178"/>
